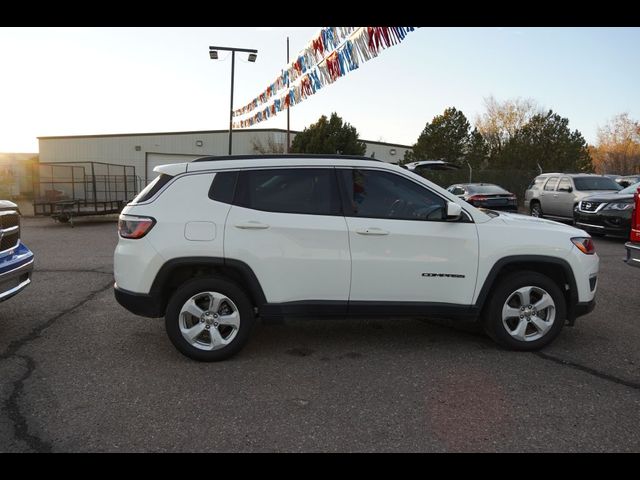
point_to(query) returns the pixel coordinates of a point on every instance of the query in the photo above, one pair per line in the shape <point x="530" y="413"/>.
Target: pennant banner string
<point x="334" y="52"/>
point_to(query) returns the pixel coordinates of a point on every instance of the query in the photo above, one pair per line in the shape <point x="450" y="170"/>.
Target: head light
<point x="619" y="206"/>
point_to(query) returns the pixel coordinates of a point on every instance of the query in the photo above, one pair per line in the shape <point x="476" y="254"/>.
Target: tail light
<point x="635" y="218"/>
<point x="130" y="226"/>
<point x="476" y="198"/>
<point x="584" y="244"/>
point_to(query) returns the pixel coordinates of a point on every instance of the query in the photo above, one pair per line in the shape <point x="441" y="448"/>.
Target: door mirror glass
<point x="454" y="211"/>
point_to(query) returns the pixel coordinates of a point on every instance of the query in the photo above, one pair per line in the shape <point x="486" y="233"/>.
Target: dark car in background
<point x="485" y="195"/>
<point x="606" y="213"/>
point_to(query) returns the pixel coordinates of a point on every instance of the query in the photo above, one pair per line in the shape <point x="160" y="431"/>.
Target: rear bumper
<point x="16" y="273"/>
<point x="145" y="305"/>
<point x="633" y="254"/>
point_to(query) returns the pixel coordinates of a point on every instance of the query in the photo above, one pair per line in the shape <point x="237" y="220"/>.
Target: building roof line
<point x="195" y="132"/>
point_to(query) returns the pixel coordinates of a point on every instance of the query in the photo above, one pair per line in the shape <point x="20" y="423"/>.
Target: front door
<point x="402" y="250"/>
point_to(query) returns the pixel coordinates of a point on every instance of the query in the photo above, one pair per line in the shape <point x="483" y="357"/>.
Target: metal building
<point x="147" y="150"/>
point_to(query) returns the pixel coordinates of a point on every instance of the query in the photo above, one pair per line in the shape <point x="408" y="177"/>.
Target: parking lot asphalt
<point x="78" y="373"/>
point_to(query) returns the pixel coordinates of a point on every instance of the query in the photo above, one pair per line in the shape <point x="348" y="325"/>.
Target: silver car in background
<point x="555" y="195"/>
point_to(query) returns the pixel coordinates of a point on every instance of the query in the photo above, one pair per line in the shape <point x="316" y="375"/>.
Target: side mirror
<point x="454" y="211"/>
<point x="567" y="189"/>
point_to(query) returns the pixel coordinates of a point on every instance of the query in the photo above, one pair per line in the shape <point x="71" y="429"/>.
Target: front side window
<point x="311" y="191"/>
<point x="564" y="185"/>
<point x="551" y="184"/>
<point x="376" y="194"/>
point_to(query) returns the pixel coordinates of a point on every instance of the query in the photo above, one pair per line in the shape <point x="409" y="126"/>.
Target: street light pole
<point x="213" y="54"/>
<point x="233" y="64"/>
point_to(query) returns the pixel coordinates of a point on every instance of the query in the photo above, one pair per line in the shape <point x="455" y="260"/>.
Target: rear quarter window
<point x="223" y="187"/>
<point x="154" y="187"/>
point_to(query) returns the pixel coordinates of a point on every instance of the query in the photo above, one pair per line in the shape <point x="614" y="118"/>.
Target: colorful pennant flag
<point x="333" y="53"/>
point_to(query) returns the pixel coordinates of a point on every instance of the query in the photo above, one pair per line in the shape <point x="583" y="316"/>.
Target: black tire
<point x="535" y="206"/>
<point x="198" y="285"/>
<point x="492" y="317"/>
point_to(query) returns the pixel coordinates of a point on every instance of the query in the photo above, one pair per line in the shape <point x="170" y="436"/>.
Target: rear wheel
<point x="536" y="210"/>
<point x="526" y="312"/>
<point x="209" y="319"/>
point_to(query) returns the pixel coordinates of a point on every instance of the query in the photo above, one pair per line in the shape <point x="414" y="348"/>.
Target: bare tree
<point x="502" y="120"/>
<point x="618" y="147"/>
<point x="271" y="147"/>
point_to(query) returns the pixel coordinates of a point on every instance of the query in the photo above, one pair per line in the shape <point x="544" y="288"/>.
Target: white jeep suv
<point x="214" y="243"/>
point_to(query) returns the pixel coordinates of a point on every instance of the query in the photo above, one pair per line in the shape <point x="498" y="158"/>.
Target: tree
<point x="502" y="120"/>
<point x="448" y="137"/>
<point x="329" y="136"/>
<point x="618" y="147"/>
<point x="546" y="141"/>
<point x="271" y="147"/>
<point x="445" y="138"/>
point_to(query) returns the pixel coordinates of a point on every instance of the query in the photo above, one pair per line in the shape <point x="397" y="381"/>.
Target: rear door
<point x="401" y="248"/>
<point x="287" y="225"/>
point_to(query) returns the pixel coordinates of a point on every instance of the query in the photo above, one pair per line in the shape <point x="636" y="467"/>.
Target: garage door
<point x="155" y="159"/>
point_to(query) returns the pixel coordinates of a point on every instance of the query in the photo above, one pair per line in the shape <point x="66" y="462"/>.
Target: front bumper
<point x="610" y="223"/>
<point x="15" y="272"/>
<point x="633" y="254"/>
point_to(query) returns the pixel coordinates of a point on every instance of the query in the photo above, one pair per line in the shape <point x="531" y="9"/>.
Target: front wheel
<point x="209" y="319"/>
<point x="526" y="312"/>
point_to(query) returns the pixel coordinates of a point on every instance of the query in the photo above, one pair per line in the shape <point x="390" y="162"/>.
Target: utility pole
<point x="288" y="109"/>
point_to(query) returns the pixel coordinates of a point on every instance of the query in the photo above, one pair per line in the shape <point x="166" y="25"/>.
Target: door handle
<point x="252" y="225"/>
<point x="371" y="231"/>
<point x="555" y="195"/>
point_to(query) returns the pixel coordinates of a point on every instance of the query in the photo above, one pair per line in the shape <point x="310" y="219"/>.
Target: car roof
<point x="275" y="161"/>
<point x="281" y="156"/>
<point x="569" y="174"/>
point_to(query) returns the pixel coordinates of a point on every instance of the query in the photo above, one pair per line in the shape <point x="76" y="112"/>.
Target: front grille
<point x="9" y="220"/>
<point x="589" y="206"/>
<point x="9" y="240"/>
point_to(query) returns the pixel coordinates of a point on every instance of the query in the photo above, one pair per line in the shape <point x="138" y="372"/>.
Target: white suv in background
<point x="214" y="243"/>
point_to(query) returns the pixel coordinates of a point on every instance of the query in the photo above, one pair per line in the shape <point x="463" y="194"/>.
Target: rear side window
<point x="551" y="184"/>
<point x="537" y="183"/>
<point x="223" y="187"/>
<point x="154" y="187"/>
<point x="311" y="191"/>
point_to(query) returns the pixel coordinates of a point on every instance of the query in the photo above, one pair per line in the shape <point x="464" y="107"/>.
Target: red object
<point x="635" y="218"/>
<point x="476" y="198"/>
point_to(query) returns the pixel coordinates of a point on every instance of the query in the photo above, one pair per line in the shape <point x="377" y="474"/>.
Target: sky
<point x="99" y="80"/>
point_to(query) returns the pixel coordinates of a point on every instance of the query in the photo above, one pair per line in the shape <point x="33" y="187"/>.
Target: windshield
<point x="595" y="183"/>
<point x="486" y="189"/>
<point x="630" y="189"/>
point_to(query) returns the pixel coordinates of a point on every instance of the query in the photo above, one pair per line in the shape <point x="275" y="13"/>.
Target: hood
<point x="608" y="197"/>
<point x="525" y="221"/>
<point x="7" y="205"/>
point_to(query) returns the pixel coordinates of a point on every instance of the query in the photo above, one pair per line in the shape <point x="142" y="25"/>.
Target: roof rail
<point x="285" y="156"/>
